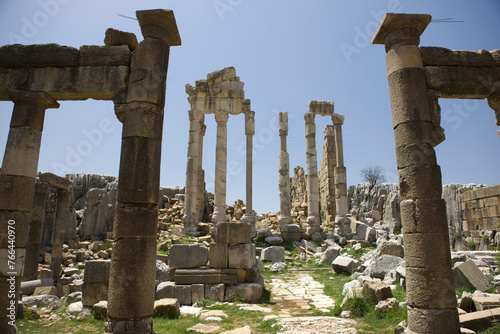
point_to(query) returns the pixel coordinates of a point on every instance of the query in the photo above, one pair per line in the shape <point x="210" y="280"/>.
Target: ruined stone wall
<point x="298" y="182"/>
<point x="480" y="209"/>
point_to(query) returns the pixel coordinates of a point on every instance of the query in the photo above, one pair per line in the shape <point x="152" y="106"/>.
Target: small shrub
<point x="337" y="309"/>
<point x="359" y="306"/>
<point x="486" y="238"/>
<point x="471" y="245"/>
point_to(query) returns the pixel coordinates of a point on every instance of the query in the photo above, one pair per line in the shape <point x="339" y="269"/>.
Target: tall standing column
<point x="219" y="214"/>
<point x="429" y="280"/>
<point x="249" y="216"/>
<point x="133" y="264"/>
<point x="192" y="170"/>
<point x="200" y="202"/>
<point x="327" y="178"/>
<point x="17" y="187"/>
<point x="312" y="175"/>
<point x="35" y="232"/>
<point x="63" y="215"/>
<point x="340" y="174"/>
<point x="285" y="216"/>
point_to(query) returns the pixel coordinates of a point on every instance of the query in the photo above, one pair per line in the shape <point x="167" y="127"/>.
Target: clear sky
<point x="287" y="52"/>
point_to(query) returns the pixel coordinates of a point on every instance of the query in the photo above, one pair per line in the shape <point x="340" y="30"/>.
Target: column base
<point x="248" y="218"/>
<point x="219" y="216"/>
<point x="129" y="326"/>
<point x="284" y="220"/>
<point x="343" y="224"/>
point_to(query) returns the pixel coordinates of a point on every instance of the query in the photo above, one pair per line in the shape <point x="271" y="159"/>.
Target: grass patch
<point x="495" y="329"/>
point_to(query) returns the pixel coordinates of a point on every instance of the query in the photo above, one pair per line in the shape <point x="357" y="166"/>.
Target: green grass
<point x="495" y="329"/>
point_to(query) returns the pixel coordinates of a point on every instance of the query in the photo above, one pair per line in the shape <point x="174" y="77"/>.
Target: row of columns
<point x="325" y="108"/>
<point x="194" y="190"/>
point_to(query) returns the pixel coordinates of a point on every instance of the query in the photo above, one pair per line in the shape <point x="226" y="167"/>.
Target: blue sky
<point x="287" y="53"/>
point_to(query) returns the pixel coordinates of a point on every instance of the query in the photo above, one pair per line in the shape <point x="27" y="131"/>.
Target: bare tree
<point x="373" y="175"/>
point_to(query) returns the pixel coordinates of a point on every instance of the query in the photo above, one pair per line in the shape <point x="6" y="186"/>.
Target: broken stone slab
<point x="469" y="276"/>
<point x="100" y="310"/>
<point x="167" y="307"/>
<point x="198" y="276"/>
<point x="28" y="287"/>
<point x="386" y="305"/>
<point x="378" y="268"/>
<point x="485" y="303"/>
<point x="366" y="232"/>
<point x="165" y="290"/>
<point x="249" y="292"/>
<point x="45" y="290"/>
<point x="466" y="302"/>
<point x="377" y="291"/>
<point x="273" y="254"/>
<point x="39" y="301"/>
<point x="188" y="256"/>
<point x="330" y="254"/>
<point x="117" y="37"/>
<point x="344" y="264"/>
<point x="478" y="321"/>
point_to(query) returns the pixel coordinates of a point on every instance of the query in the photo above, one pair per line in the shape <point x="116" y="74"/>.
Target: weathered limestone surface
<point x="326" y="174"/>
<point x="312" y="174"/>
<point x="132" y="274"/>
<point x="430" y="288"/>
<point x="284" y="173"/>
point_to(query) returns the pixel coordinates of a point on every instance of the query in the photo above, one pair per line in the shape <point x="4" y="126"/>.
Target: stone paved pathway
<point x="296" y="293"/>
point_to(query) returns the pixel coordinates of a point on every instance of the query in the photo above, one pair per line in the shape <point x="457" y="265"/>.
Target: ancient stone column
<point x="327" y="178"/>
<point x="285" y="216"/>
<point x="192" y="170"/>
<point x="219" y="214"/>
<point x="35" y="232"/>
<point x="133" y="264"/>
<point x="340" y="174"/>
<point x="312" y="175"/>
<point x="63" y="215"/>
<point x="200" y="202"/>
<point x="430" y="287"/>
<point x="494" y="103"/>
<point x="249" y="216"/>
<point x="17" y="187"/>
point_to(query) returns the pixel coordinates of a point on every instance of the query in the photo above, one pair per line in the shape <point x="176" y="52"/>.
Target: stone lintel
<point x="463" y="82"/>
<point x="438" y="56"/>
<point x="54" y="181"/>
<point x="64" y="83"/>
<point x="159" y="23"/>
<point x="55" y="55"/>
<point x="226" y="73"/>
<point x="322" y="108"/>
<point x="37" y="98"/>
<point x="409" y="26"/>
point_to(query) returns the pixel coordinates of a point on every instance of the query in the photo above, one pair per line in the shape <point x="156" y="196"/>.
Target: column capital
<point x="250" y="123"/>
<point x="329" y="131"/>
<point x="160" y="24"/>
<point x="196" y="115"/>
<point x="337" y="119"/>
<point x="309" y="117"/>
<point x="41" y="99"/>
<point x="221" y="116"/>
<point x="398" y="28"/>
